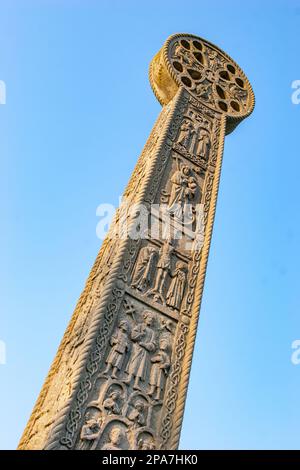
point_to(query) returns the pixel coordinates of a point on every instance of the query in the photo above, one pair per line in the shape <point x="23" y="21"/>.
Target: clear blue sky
<point x="79" y="109"/>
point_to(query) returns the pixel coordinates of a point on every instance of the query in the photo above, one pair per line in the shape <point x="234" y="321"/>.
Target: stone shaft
<point x="120" y="376"/>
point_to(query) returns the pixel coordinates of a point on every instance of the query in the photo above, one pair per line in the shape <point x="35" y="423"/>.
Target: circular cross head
<point x="207" y="72"/>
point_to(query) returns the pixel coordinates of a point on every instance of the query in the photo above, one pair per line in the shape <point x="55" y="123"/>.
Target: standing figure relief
<point x="143" y="338"/>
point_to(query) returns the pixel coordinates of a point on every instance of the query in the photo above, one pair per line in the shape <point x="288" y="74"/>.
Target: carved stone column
<point x="120" y="376"/>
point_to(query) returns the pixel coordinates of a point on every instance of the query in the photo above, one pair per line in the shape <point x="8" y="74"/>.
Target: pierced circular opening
<point x="185" y="44"/>
<point x="197" y="45"/>
<point x="231" y="68"/>
<point x="199" y="57"/>
<point x="240" y="82"/>
<point x="194" y="74"/>
<point x="178" y="66"/>
<point x="186" y="81"/>
<point x="225" y="75"/>
<point x="235" y="106"/>
<point x="221" y="92"/>
<point x="223" y="106"/>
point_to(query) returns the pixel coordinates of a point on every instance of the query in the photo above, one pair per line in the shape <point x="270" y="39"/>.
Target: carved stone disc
<point x="207" y="72"/>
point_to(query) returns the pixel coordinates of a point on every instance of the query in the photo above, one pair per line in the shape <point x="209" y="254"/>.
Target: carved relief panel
<point x="120" y="377"/>
<point x="125" y="405"/>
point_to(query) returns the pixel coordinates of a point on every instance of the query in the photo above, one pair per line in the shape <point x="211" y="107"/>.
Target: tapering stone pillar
<point x="120" y="376"/>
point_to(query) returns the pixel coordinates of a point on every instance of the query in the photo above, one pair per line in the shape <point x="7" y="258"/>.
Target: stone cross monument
<point x="120" y="376"/>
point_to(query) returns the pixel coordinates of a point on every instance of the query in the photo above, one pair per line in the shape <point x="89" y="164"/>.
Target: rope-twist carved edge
<point x="81" y="302"/>
<point x="183" y="328"/>
<point x="69" y="419"/>
<point x="191" y="336"/>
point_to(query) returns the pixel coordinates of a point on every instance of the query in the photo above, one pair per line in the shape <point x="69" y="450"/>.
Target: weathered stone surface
<point x="120" y="376"/>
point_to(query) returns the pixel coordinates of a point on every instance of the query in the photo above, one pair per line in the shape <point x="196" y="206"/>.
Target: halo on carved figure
<point x="207" y="72"/>
<point x="114" y="436"/>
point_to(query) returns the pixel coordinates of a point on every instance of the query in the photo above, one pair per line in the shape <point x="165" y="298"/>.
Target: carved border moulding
<point x="120" y="377"/>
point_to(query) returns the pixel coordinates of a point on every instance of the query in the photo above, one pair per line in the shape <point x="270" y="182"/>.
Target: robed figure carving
<point x="186" y="135"/>
<point x="160" y="367"/>
<point x="90" y="431"/>
<point x="183" y="191"/>
<point x="137" y="414"/>
<point x="143" y="338"/>
<point x="176" y="289"/>
<point x="120" y="345"/>
<point x="202" y="146"/>
<point x="163" y="268"/>
<point x="146" y="261"/>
